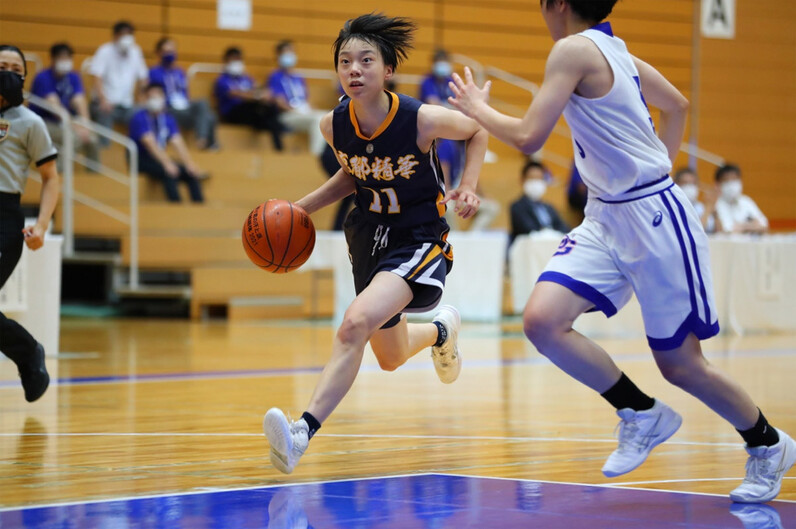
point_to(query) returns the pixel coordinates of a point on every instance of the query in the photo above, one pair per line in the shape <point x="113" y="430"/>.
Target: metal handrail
<point x="68" y="191"/>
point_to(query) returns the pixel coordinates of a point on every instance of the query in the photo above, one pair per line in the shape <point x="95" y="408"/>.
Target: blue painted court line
<point x="277" y="372"/>
<point x="432" y="501"/>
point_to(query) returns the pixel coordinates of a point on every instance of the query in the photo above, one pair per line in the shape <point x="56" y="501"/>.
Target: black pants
<point x="15" y="342"/>
<point x="153" y="168"/>
<point x="259" y="116"/>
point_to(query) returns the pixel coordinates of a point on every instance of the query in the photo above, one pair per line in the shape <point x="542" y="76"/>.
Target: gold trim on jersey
<point x="384" y="124"/>
<point x="430" y="256"/>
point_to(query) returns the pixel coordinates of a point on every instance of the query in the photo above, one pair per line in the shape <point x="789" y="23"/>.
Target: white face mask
<point x="63" y="66"/>
<point x="156" y="104"/>
<point x="125" y="42"/>
<point x="288" y="60"/>
<point x="442" y="69"/>
<point x="534" y="189"/>
<point x="691" y="192"/>
<point x="731" y="190"/>
<point x="235" y="68"/>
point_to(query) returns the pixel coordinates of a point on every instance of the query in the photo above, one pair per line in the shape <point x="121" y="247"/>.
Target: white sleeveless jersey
<point x="616" y="148"/>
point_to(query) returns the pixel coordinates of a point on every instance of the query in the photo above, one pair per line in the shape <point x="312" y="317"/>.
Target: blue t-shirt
<point x="224" y="84"/>
<point x="433" y="86"/>
<point x="47" y="82"/>
<point x="162" y="125"/>
<point x="290" y="86"/>
<point x="174" y="84"/>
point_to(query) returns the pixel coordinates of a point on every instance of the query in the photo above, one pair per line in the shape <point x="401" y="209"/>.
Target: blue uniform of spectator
<point x="193" y="114"/>
<point x="153" y="129"/>
<point x="241" y="102"/>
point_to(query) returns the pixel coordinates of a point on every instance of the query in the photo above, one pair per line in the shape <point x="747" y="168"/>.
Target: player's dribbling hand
<point x="467" y="202"/>
<point x="466" y="94"/>
<point x="34" y="236"/>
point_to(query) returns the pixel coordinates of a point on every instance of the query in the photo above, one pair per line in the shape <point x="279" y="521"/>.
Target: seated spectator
<point x="194" y="114"/>
<point x="119" y="72"/>
<point x="289" y="90"/>
<point x="687" y="179"/>
<point x="529" y="213"/>
<point x="153" y="130"/>
<point x="241" y="102"/>
<point x="736" y="212"/>
<point x="61" y="85"/>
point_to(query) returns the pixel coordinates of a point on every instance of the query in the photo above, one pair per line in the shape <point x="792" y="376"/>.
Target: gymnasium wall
<point x="746" y="79"/>
<point x="747" y="104"/>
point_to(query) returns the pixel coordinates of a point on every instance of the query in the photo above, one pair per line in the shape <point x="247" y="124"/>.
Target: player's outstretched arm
<point x="662" y="94"/>
<point x="434" y="121"/>
<point x="336" y="188"/>
<point x="565" y="68"/>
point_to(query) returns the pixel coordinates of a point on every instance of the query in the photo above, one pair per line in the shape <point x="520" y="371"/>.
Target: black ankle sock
<point x="442" y="333"/>
<point x="625" y="394"/>
<point x="312" y="422"/>
<point x="761" y="434"/>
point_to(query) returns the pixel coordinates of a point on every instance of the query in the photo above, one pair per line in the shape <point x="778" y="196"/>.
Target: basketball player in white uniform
<point x="640" y="235"/>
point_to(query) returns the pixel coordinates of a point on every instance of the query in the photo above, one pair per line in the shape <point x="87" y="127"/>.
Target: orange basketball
<point x="278" y="236"/>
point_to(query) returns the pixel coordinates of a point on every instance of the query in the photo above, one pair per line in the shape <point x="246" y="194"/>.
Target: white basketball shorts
<point x="650" y="242"/>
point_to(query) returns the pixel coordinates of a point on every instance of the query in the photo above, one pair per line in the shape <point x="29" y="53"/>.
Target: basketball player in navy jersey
<point x="641" y="235"/>
<point x="396" y="233"/>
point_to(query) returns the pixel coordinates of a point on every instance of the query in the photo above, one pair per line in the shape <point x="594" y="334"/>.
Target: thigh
<point x="385" y="296"/>
<point x="584" y="264"/>
<point x="11" y="242"/>
<point x="666" y="258"/>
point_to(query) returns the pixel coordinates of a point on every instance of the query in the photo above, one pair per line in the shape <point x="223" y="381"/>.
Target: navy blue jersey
<point x="397" y="184"/>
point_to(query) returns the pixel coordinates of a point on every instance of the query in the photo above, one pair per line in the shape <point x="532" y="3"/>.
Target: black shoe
<point x="35" y="378"/>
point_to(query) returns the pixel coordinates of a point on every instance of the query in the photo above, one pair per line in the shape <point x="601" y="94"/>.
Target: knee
<point x="684" y="375"/>
<point x="540" y="326"/>
<point x="354" y="329"/>
<point x="387" y="363"/>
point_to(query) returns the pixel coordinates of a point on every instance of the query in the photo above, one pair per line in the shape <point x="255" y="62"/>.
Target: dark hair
<point x="162" y="42"/>
<point x="589" y="10"/>
<point x="150" y="85"/>
<point x="722" y="171"/>
<point x="282" y="44"/>
<point x="392" y="36"/>
<point x="440" y="55"/>
<point x="123" y="25"/>
<point x="232" y="50"/>
<point x="684" y="171"/>
<point x="60" y="47"/>
<point x="532" y="164"/>
<point x="11" y="47"/>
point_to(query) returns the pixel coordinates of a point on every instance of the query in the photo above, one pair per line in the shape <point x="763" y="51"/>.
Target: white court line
<point x="620" y="486"/>
<point x="360" y="436"/>
<point x="693" y="480"/>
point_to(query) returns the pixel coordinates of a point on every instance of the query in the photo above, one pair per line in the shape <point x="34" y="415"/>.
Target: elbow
<point x="683" y="104"/>
<point x="527" y="145"/>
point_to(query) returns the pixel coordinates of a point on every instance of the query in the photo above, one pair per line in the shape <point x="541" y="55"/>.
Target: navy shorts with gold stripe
<point x="419" y="254"/>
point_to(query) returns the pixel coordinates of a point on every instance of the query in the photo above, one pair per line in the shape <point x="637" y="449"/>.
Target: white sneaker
<point x="757" y="516"/>
<point x="764" y="470"/>
<point x="447" y="360"/>
<point x="289" y="439"/>
<point x="639" y="433"/>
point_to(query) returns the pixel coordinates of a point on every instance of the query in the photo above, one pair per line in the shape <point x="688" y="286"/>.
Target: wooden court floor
<point x="160" y="406"/>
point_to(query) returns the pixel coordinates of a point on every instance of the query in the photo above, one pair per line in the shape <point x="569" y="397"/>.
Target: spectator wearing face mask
<point x="737" y="213"/>
<point x="688" y="181"/>
<point x="529" y="213"/>
<point x="119" y="72"/>
<point x="153" y="130"/>
<point x="193" y="114"/>
<point x="61" y="85"/>
<point x="291" y="96"/>
<point x="241" y="102"/>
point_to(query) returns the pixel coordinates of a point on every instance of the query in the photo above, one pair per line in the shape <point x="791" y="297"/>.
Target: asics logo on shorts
<point x="566" y="246"/>
<point x="658" y="219"/>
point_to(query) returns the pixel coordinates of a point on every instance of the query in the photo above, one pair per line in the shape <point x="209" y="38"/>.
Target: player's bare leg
<point x="645" y="422"/>
<point x="386" y="295"/>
